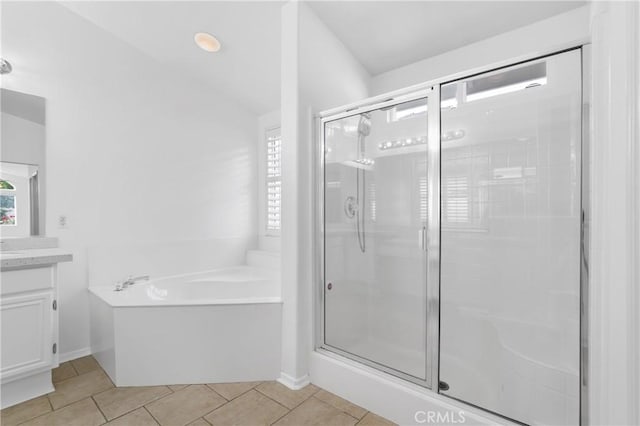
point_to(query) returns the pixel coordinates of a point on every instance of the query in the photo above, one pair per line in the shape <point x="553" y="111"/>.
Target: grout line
<point x="243" y="393"/>
<point x="121" y="415"/>
<point x="85" y="397"/>
<point x="282" y="416"/>
<point x="282" y="405"/>
<point x="215" y="409"/>
<point x="288" y="410"/>
<point x="173" y="391"/>
<point x="152" y="416"/>
<point x="256" y="388"/>
<point x="337" y="408"/>
<point x="99" y="409"/>
<point x="48" y="399"/>
<point x="73" y="367"/>
<point x="235" y="397"/>
<point x="32" y="418"/>
<point x="157" y="398"/>
<point x="160" y="398"/>
<point x="101" y="392"/>
<point x="135" y="408"/>
<point x="221" y="396"/>
<point x="36" y="417"/>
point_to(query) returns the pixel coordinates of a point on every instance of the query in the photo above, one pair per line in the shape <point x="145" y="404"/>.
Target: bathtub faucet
<point x="132" y="280"/>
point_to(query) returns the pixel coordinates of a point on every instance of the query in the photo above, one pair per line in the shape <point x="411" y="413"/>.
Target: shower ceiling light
<point x="206" y="41"/>
<point x="402" y="143"/>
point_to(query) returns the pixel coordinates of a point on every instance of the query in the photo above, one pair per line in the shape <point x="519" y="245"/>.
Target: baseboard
<point x="25" y="389"/>
<point x="293" y="383"/>
<point x="68" y="356"/>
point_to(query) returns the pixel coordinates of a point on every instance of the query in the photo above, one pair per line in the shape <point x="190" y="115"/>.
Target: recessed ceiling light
<point x="206" y="41"/>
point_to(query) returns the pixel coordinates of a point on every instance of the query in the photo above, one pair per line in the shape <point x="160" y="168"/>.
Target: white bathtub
<point x="215" y="326"/>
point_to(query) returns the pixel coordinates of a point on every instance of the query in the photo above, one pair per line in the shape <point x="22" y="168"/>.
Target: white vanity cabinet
<point x="28" y="317"/>
<point x="29" y="325"/>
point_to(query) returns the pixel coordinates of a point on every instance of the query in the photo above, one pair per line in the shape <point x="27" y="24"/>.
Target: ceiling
<point x="248" y="31"/>
<point x="384" y="35"/>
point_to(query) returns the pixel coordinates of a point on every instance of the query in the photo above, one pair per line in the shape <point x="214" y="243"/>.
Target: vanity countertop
<point x="33" y="257"/>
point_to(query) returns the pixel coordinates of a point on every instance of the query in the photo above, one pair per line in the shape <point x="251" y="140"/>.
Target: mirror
<point x="22" y="183"/>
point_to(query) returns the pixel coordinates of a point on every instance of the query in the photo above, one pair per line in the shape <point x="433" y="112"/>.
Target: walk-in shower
<point x="449" y="235"/>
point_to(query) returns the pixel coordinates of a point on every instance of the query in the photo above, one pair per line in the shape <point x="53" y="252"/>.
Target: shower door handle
<point x="422" y="238"/>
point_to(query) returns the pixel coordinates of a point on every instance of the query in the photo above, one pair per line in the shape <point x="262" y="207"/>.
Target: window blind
<point x="274" y="180"/>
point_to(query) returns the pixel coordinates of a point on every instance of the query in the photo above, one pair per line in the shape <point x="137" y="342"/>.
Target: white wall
<point x="614" y="256"/>
<point x="566" y="30"/>
<point x="142" y="161"/>
<point x="330" y="76"/>
<point x="318" y="72"/>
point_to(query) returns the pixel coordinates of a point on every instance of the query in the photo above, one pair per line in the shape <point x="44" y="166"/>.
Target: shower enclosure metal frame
<point x="431" y="90"/>
<point x="432" y="93"/>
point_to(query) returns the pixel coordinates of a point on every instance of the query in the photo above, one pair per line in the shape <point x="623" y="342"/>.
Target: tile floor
<point x="85" y="396"/>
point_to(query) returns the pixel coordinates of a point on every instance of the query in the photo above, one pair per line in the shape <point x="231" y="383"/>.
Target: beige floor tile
<point x="371" y="419"/>
<point x="63" y="372"/>
<point x="285" y="396"/>
<point x="25" y="411"/>
<point x="315" y="412"/>
<point x="185" y="405"/>
<point x="251" y="408"/>
<point x="79" y="387"/>
<point x="117" y="401"/>
<point x="200" y="422"/>
<point x="177" y="387"/>
<point x="341" y="404"/>
<point x="232" y="390"/>
<point x="139" y="417"/>
<point x="80" y="413"/>
<point x="85" y="364"/>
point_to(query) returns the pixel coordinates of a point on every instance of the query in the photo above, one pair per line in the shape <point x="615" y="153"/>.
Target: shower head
<point x="5" y="66"/>
<point x="364" y="124"/>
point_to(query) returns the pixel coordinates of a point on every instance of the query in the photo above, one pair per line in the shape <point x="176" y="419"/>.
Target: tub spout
<point x="132" y="280"/>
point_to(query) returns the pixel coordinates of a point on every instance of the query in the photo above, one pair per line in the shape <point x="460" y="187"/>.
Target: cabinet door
<point x="27" y="334"/>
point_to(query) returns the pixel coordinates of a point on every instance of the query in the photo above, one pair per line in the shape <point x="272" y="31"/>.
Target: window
<point x="465" y="190"/>
<point x="456" y="206"/>
<point x="5" y="184"/>
<point x="7" y="203"/>
<point x="423" y="196"/>
<point x="273" y="181"/>
<point x="495" y="84"/>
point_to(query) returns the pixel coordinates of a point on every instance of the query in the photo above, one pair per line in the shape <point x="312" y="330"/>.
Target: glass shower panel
<point x="375" y="185"/>
<point x="510" y="240"/>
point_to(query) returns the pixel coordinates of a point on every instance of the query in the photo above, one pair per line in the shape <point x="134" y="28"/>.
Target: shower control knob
<point x="329" y="286"/>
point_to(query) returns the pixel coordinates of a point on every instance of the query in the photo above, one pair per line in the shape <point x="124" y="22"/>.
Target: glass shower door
<point x="375" y="224"/>
<point x="510" y="240"/>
